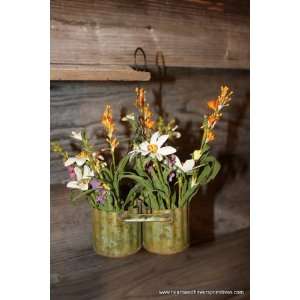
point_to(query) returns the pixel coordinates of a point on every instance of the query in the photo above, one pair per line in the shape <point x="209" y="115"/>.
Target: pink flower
<point x="71" y="172"/>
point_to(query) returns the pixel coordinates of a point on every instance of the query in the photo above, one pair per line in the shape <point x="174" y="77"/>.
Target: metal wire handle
<point x="128" y="217"/>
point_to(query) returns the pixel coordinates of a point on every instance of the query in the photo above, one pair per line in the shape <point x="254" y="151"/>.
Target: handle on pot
<point x="151" y="217"/>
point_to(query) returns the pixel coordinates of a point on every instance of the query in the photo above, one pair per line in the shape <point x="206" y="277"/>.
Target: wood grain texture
<point x="209" y="34"/>
<point x="77" y="273"/>
<point x="97" y="73"/>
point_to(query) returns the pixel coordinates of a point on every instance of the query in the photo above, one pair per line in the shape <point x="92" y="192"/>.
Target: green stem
<point x="168" y="201"/>
<point x="113" y="160"/>
<point x="179" y="190"/>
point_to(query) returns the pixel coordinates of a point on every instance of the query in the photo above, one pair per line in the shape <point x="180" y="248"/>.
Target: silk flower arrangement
<point x="150" y="173"/>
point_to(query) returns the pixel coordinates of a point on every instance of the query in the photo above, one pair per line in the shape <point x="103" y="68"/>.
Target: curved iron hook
<point x="139" y="49"/>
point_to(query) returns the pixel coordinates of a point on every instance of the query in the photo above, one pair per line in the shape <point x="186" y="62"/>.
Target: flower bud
<point x="197" y="154"/>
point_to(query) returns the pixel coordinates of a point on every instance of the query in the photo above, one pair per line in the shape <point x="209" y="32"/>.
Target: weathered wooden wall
<point x="183" y="94"/>
<point x="190" y="33"/>
<point x="205" y="43"/>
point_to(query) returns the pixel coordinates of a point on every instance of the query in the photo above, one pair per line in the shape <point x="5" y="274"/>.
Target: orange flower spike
<point x="213" y="104"/>
<point x="107" y="121"/>
<point x="140" y="98"/>
<point x="210" y="136"/>
<point x="148" y="122"/>
<point x="114" y="144"/>
<point x="225" y="95"/>
<point x="212" y="119"/>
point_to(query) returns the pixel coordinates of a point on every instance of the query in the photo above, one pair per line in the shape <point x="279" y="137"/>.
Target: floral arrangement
<point x="151" y="170"/>
<point x="167" y="182"/>
<point x="92" y="175"/>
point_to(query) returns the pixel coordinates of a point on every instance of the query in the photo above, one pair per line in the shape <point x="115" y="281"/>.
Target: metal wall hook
<point x="139" y="49"/>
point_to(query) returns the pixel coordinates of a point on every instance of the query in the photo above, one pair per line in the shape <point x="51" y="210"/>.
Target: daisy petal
<point x="166" y="150"/>
<point x="144" y="146"/>
<point x="87" y="172"/>
<point x="178" y="162"/>
<point x="78" y="173"/>
<point x="188" y="165"/>
<point x="83" y="186"/>
<point x="80" y="161"/>
<point x="73" y="185"/>
<point x="159" y="156"/>
<point x="70" y="161"/>
<point x="162" y="139"/>
<point x="133" y="152"/>
<point x="154" y="137"/>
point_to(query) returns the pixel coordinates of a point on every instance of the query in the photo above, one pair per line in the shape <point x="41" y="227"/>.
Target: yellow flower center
<point x="82" y="154"/>
<point x="152" y="148"/>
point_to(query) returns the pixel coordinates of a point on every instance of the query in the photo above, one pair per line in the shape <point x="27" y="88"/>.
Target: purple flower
<point x="171" y="160"/>
<point x="171" y="176"/>
<point x="101" y="197"/>
<point x="149" y="167"/>
<point x="95" y="184"/>
<point x="100" y="191"/>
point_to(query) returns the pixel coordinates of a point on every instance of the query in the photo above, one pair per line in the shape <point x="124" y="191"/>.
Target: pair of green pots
<point x="161" y="232"/>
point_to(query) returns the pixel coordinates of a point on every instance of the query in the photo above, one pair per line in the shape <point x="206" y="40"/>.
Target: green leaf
<point x="130" y="195"/>
<point x="80" y="194"/>
<point x="215" y="170"/>
<point x="202" y="178"/>
<point x="122" y="164"/>
<point x="140" y="180"/>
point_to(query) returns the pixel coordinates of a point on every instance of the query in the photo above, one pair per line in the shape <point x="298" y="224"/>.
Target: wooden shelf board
<point x="97" y="73"/>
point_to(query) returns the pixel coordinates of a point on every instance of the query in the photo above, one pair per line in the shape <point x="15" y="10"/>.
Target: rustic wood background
<point x="190" y="33"/>
<point x="183" y="94"/>
<point x="204" y="44"/>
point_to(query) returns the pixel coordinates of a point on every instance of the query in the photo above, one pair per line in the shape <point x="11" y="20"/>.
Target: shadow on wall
<point x="202" y="206"/>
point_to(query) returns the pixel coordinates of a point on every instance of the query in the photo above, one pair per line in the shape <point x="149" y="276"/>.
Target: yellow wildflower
<point x="82" y="154"/>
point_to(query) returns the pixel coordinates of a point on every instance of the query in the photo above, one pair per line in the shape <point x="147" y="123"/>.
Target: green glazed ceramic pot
<point x="112" y="237"/>
<point x="167" y="237"/>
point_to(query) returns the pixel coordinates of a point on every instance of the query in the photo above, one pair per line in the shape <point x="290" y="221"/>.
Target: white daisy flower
<point x="154" y="148"/>
<point x="83" y="179"/>
<point x="79" y="159"/>
<point x="187" y="166"/>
